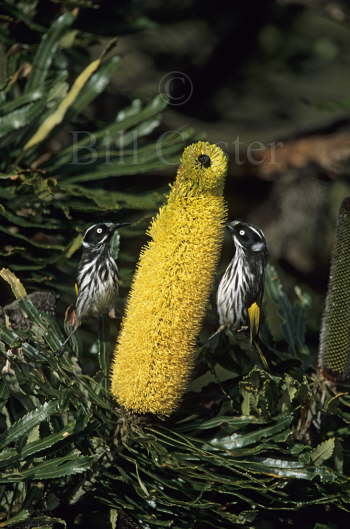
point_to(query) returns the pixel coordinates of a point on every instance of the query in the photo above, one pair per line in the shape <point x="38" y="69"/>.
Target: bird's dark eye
<point x="204" y="160"/>
<point x="242" y="232"/>
<point x="99" y="230"/>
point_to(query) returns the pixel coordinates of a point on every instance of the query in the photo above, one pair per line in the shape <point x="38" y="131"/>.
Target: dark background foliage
<point x="262" y="73"/>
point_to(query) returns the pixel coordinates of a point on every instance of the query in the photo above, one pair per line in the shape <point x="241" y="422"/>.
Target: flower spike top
<point x="203" y="167"/>
<point x="155" y="352"/>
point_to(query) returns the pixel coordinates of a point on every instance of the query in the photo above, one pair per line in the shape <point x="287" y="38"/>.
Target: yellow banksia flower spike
<point x="155" y="352"/>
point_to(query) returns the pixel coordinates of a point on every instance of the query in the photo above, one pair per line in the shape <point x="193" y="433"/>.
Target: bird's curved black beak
<point x="113" y="226"/>
<point x="231" y="225"/>
<point x="121" y="224"/>
<point x="116" y="225"/>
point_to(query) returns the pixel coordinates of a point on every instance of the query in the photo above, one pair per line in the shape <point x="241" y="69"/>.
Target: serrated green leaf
<point x="322" y="452"/>
<point x="8" y="457"/>
<point x="59" y="467"/>
<point x="24" y="425"/>
<point x="47" y="442"/>
<point x="55" y="468"/>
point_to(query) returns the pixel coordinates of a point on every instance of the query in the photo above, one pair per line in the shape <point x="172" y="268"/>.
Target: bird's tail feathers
<point x="254" y="314"/>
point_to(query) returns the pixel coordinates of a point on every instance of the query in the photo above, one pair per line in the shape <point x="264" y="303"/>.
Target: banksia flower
<point x="154" y="356"/>
<point x="334" y="357"/>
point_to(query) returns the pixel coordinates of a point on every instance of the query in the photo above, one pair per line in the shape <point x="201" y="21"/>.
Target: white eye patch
<point x="242" y="232"/>
<point x="99" y="230"/>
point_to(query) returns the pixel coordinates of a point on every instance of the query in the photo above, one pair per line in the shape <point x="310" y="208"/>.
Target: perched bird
<point x="97" y="278"/>
<point x="241" y="288"/>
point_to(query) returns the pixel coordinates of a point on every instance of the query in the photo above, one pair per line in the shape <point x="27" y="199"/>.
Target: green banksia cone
<point x="170" y="291"/>
<point x="334" y="356"/>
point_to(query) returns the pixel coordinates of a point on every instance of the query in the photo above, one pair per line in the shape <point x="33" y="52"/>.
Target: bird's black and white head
<point x="247" y="237"/>
<point x="97" y="236"/>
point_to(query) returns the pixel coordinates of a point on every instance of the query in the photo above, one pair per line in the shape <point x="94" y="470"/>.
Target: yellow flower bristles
<point x="154" y="357"/>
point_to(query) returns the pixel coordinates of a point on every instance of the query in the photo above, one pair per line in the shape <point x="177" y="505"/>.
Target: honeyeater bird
<point x="241" y="289"/>
<point x="97" y="278"/>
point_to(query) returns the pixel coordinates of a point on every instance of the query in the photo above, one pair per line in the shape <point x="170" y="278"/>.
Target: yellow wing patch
<point x="76" y="289"/>
<point x="254" y="320"/>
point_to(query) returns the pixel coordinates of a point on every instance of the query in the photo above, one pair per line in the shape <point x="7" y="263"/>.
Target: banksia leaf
<point x="334" y="356"/>
<point x="322" y="452"/>
<point x="16" y="286"/>
<point x="154" y="356"/>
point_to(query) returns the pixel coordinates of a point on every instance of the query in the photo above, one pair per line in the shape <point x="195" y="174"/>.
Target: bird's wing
<point x="76" y="288"/>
